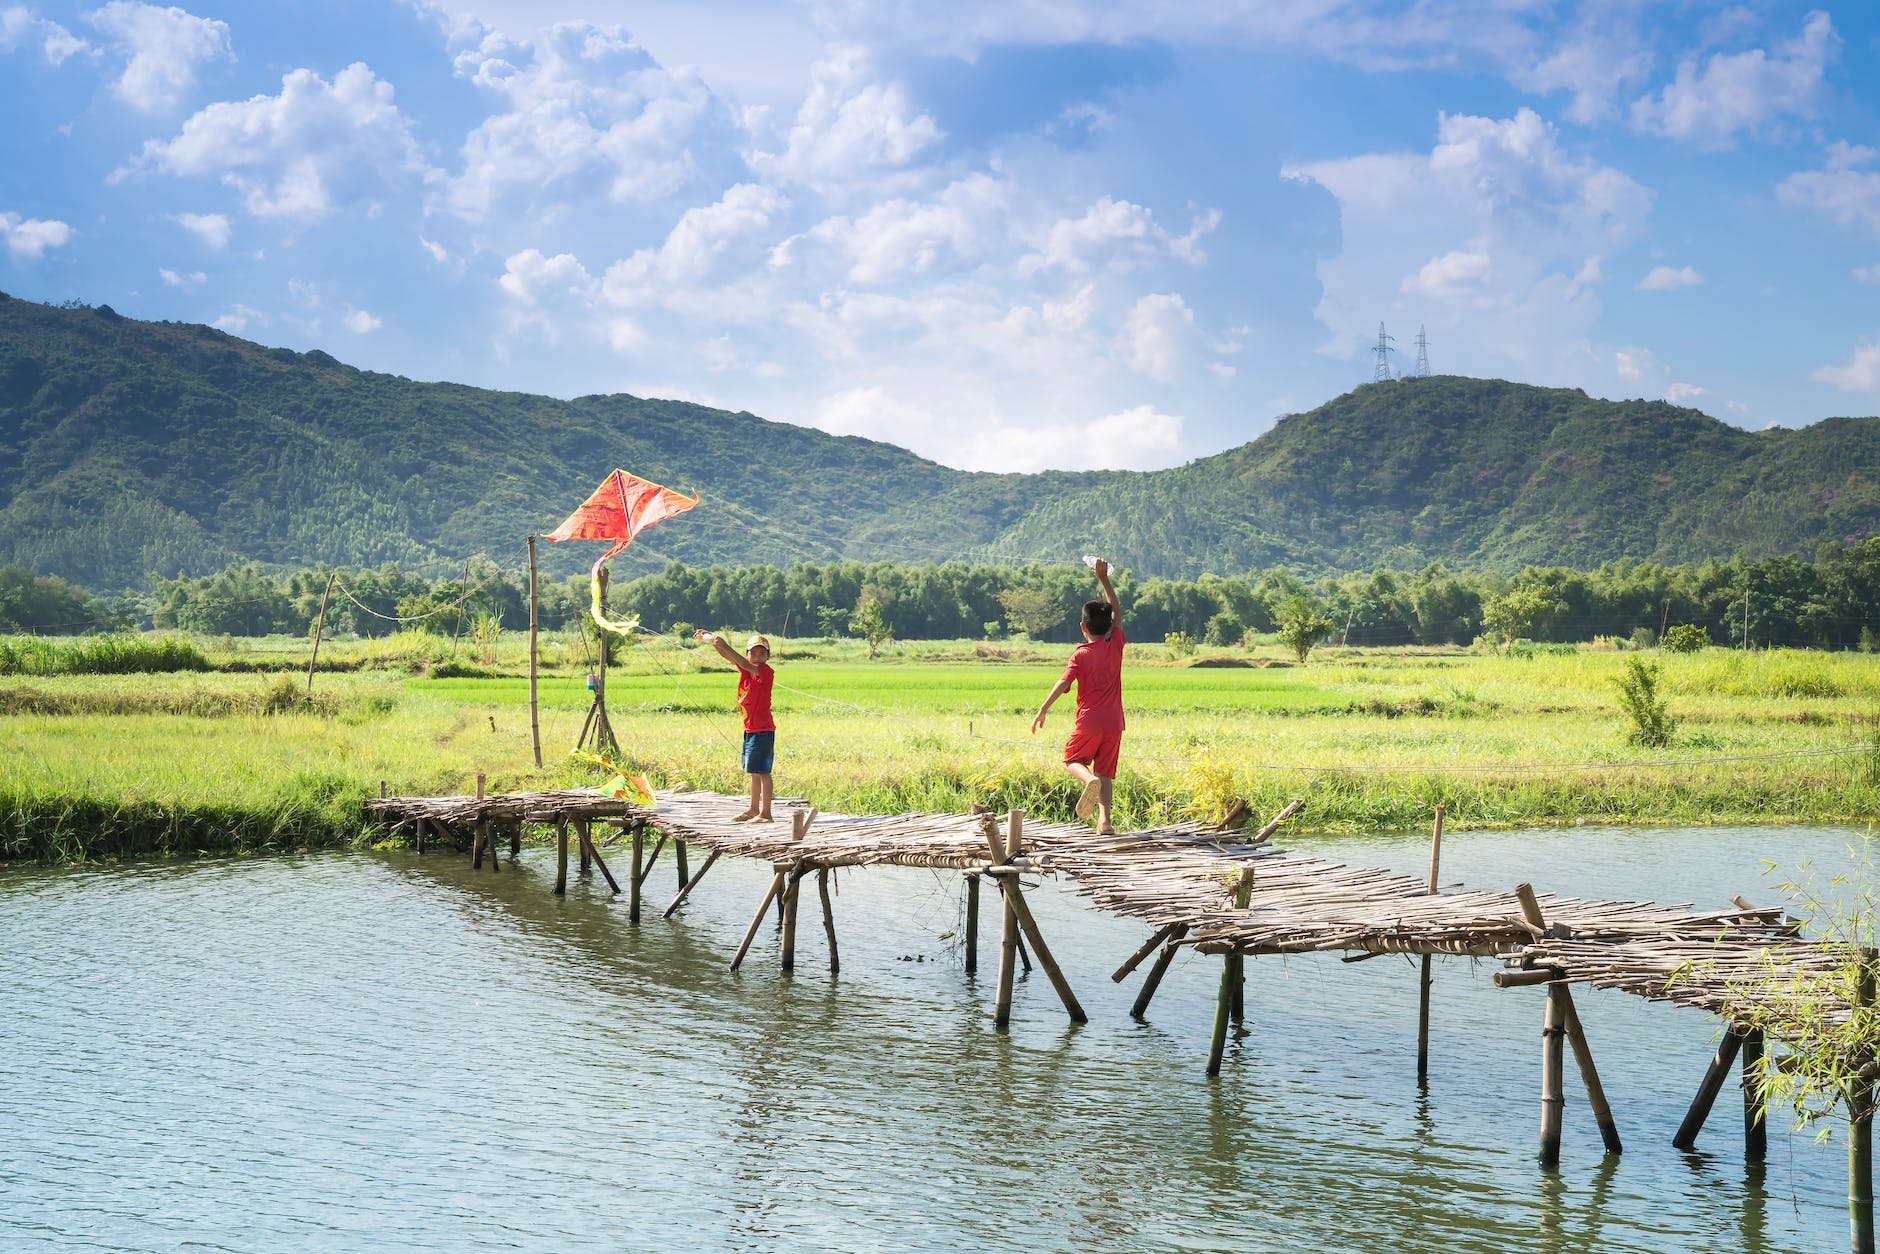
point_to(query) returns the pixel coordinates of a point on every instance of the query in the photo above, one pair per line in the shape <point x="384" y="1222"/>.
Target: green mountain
<point x="129" y="448"/>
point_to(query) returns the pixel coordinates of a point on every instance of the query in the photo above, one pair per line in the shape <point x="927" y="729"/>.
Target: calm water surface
<point x="376" y="1052"/>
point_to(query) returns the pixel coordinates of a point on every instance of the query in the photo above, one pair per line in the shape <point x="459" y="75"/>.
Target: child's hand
<point x="1102" y="568"/>
<point x="702" y="634"/>
<point x="1037" y="724"/>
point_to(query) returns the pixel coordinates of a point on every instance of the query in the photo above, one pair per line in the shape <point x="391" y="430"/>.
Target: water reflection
<point x="353" y="1052"/>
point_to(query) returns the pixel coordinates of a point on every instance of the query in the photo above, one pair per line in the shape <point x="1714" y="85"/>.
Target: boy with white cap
<point x="755" y="679"/>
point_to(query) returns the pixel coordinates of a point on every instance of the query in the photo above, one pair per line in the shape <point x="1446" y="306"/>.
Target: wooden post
<point x="972" y="922"/>
<point x="462" y="600"/>
<point x="561" y="855"/>
<point x="535" y="722"/>
<point x="1148" y="947"/>
<point x="515" y="839"/>
<point x="1156" y="972"/>
<point x="678" y="854"/>
<point x="791" y="892"/>
<point x="1707" y="1090"/>
<point x="633" y="880"/>
<point x="1553" y="1080"/>
<point x="692" y="883"/>
<point x="1008" y="937"/>
<point x="586" y="845"/>
<point x="1231" y="976"/>
<point x="319" y="628"/>
<point x="588" y="851"/>
<point x="757" y="920"/>
<point x="1860" y="1111"/>
<point x="1423" y="984"/>
<point x="652" y="856"/>
<point x="1755" y="1131"/>
<point x="418" y="824"/>
<point x="1014" y="894"/>
<point x="829" y="919"/>
<point x="480" y="834"/>
<point x="1568" y="1020"/>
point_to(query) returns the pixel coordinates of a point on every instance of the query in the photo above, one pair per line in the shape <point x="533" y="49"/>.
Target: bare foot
<point x="763" y="818"/>
<point x="1106" y="831"/>
<point x="1087" y="800"/>
<point x="746" y="817"/>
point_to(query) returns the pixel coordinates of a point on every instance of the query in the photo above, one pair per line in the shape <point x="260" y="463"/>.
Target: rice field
<point x="243" y="760"/>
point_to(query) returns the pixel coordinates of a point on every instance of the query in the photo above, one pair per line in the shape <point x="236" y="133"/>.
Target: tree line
<point x="1832" y="602"/>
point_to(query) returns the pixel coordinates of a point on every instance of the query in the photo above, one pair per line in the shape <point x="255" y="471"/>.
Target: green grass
<point x="184" y="763"/>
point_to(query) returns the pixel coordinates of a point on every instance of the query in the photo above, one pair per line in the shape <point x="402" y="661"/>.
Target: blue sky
<point x="1009" y="235"/>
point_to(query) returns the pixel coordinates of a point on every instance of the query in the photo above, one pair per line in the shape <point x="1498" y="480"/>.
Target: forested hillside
<point x="133" y="450"/>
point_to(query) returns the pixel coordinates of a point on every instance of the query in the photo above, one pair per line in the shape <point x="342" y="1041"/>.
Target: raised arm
<point x="725" y="651"/>
<point x="1109" y="590"/>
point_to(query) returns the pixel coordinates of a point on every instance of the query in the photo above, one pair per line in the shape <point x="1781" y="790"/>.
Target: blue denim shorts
<point x="760" y="748"/>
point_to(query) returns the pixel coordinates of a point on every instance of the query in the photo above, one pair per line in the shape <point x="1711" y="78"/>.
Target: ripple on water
<point x="355" y="1052"/>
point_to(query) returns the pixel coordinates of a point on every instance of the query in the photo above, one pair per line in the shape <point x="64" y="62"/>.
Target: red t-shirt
<point x="754" y="698"/>
<point x="1096" y="667"/>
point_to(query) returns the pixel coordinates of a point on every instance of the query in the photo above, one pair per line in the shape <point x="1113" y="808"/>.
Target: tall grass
<point x="99" y="655"/>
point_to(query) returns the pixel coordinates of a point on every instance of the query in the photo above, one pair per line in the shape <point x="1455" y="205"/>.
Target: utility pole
<point x="1380" y="371"/>
<point x="1422" y="370"/>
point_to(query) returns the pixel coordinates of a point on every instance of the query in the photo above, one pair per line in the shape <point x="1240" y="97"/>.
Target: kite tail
<point x="623" y="627"/>
<point x="627" y="787"/>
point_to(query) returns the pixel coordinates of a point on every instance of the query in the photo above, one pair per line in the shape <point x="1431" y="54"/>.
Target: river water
<point x="361" y="1051"/>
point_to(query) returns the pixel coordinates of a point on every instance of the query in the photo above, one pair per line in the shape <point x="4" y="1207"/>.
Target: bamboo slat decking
<point x="1184" y="875"/>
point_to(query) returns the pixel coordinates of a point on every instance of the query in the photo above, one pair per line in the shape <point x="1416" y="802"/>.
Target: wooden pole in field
<point x="1423" y="985"/>
<point x="461" y="602"/>
<point x="319" y="628"/>
<point x="535" y="722"/>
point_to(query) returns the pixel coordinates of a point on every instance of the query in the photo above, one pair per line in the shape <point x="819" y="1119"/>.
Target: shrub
<point x="681" y="630"/>
<point x="1224" y="628"/>
<point x="1686" y="638"/>
<point x="1638" y="697"/>
<point x="1869" y="640"/>
<point x="1302" y="625"/>
<point x="1179" y="643"/>
<point x="1643" y="638"/>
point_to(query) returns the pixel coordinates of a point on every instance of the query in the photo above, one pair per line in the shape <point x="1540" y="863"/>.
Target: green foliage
<point x="1512" y="615"/>
<point x="1686" y="638"/>
<point x="1652" y="724"/>
<point x="1302" y="624"/>
<point x="1033" y="611"/>
<point x="293" y="459"/>
<point x="869" y="623"/>
<point x="1180" y="644"/>
<point x="99" y="655"/>
<point x="1225" y="628"/>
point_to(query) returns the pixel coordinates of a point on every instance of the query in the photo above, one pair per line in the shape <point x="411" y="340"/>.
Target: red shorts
<point x="1098" y="750"/>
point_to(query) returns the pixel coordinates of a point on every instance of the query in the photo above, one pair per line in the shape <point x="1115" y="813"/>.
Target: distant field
<point x="111" y="765"/>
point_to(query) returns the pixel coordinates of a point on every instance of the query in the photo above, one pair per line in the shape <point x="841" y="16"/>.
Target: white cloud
<point x="1667" y="279"/>
<point x="850" y="127"/>
<point x="1598" y="62"/>
<point x="438" y="252"/>
<point x="701" y="245"/>
<point x="27" y="239"/>
<point x="1493" y="239"/>
<point x="359" y="322"/>
<point x="302" y="154"/>
<point x="1634" y="363"/>
<point x="162" y="46"/>
<point x="1677" y="393"/>
<point x="235" y="319"/>
<point x="534" y="279"/>
<point x="1131" y="439"/>
<point x="210" y="228"/>
<point x="1113" y="233"/>
<point x="185" y="281"/>
<point x="870" y="412"/>
<point x="1742" y="93"/>
<point x="1158" y="336"/>
<point x="586" y="104"/>
<point x="1867" y="274"/>
<point x="20" y="26"/>
<point x="1452" y="275"/>
<point x="1860" y="374"/>
<point x="1841" y="189"/>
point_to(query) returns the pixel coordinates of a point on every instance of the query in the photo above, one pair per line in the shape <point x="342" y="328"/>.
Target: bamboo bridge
<point x="1220" y="889"/>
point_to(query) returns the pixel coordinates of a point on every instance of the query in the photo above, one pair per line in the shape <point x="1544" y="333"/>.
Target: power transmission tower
<point x="1380" y="373"/>
<point x="1422" y="370"/>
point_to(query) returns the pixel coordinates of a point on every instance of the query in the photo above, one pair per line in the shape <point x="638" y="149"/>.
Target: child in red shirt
<point x="755" y="679"/>
<point x="1096" y="667"/>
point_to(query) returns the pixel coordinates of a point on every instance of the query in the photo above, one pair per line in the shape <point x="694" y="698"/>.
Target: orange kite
<point x="621" y="508"/>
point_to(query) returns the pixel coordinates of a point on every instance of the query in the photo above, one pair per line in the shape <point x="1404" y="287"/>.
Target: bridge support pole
<point x="1229" y="1004"/>
<point x="1708" y="1088"/>
<point x="1154" y="979"/>
<point x="972" y="922"/>
<point x="1560" y="1013"/>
